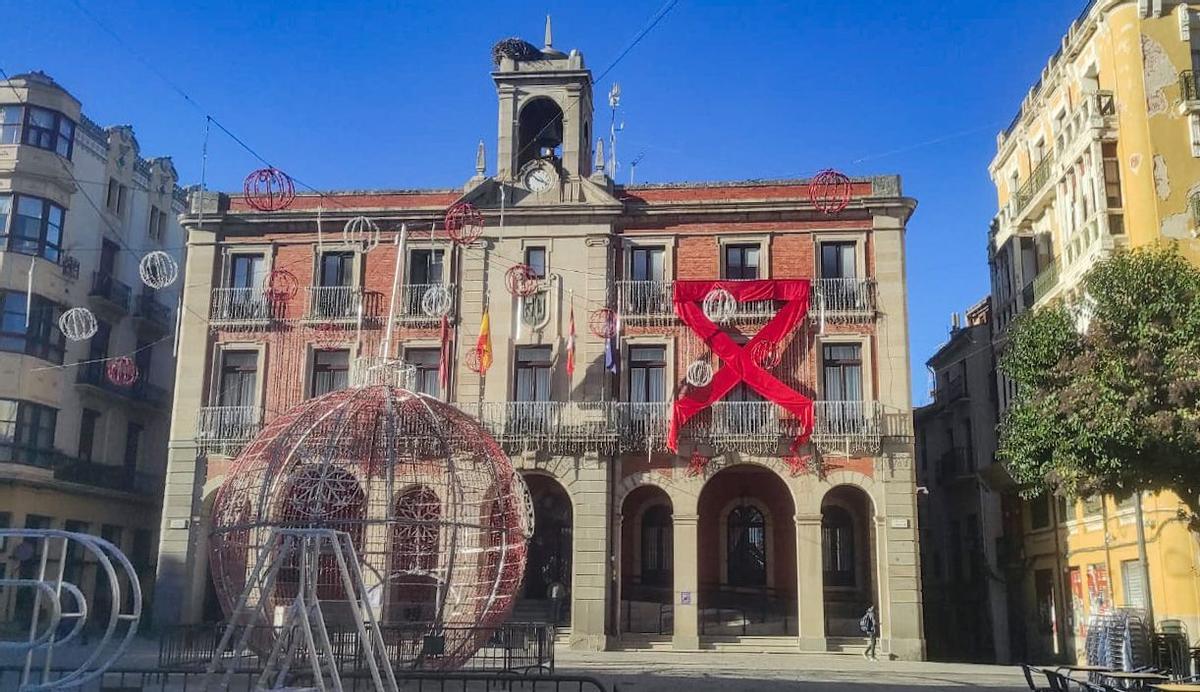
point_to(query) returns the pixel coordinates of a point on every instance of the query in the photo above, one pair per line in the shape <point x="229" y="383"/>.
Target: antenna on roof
<point x="633" y="164"/>
<point x="614" y="102"/>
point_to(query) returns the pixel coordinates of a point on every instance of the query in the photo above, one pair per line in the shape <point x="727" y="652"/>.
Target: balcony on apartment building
<point x="956" y="464"/>
<point x="1189" y="92"/>
<point x="151" y="313"/>
<point x="337" y="304"/>
<point x="954" y="389"/>
<point x="241" y="307"/>
<point x="423" y="303"/>
<point x="226" y="429"/>
<point x="652" y="302"/>
<point x="110" y="292"/>
<point x="65" y="468"/>
<point x="94" y="377"/>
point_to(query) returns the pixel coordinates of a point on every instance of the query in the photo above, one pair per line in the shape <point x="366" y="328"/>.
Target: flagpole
<point x="396" y="275"/>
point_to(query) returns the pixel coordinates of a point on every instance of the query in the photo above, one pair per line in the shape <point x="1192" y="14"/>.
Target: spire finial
<point x="598" y="160"/>
<point x="480" y="159"/>
<point x="549" y="33"/>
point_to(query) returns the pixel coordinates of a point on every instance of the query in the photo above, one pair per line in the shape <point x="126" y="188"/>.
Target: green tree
<point x="1108" y="387"/>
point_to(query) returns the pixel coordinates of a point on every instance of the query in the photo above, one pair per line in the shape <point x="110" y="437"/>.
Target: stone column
<point x="810" y="581"/>
<point x="687" y="578"/>
<point x="589" y="584"/>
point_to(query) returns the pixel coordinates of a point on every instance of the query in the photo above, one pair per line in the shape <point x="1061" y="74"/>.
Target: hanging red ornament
<point x="473" y="361"/>
<point x="798" y="463"/>
<point x="603" y="323"/>
<point x="697" y="463"/>
<point x="464" y="223"/>
<point x="122" y="371"/>
<point x="766" y="354"/>
<point x="327" y="335"/>
<point x="269" y="189"/>
<point x="521" y="281"/>
<point x="830" y="191"/>
<point x="280" y="286"/>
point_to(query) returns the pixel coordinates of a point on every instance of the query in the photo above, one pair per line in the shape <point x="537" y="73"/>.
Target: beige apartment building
<point x="1104" y="153"/>
<point x="79" y="207"/>
<point x="737" y="539"/>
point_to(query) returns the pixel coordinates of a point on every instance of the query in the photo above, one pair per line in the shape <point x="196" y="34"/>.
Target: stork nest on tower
<point x="516" y="49"/>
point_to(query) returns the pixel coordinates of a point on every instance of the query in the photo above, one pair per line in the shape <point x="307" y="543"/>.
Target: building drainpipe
<point x="1145" y="564"/>
<point x="1060" y="632"/>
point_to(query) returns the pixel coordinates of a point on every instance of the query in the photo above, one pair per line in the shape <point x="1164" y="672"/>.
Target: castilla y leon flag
<point x="484" y="345"/>
<point x="571" y="344"/>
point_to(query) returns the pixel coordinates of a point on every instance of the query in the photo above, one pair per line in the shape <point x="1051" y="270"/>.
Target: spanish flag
<point x="571" y="345"/>
<point x="484" y="345"/>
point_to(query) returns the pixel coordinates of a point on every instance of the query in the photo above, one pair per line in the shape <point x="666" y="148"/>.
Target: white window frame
<point x="763" y="241"/>
<point x="865" y="352"/>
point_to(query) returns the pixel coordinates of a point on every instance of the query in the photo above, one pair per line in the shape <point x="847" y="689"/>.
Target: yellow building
<point x="1104" y="153"/>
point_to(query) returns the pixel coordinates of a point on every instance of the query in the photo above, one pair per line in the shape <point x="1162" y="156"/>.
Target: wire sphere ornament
<point x="361" y="231"/>
<point x="720" y="306"/>
<point x="528" y="520"/>
<point x="766" y="354"/>
<point x="437" y="301"/>
<point x="78" y="324"/>
<point x="158" y="269"/>
<point x="464" y="223"/>
<point x="699" y="373"/>
<point x="122" y="371"/>
<point x="327" y="335"/>
<point x="830" y="191"/>
<point x="434" y="509"/>
<point x="280" y="286"/>
<point x="269" y="189"/>
<point x="473" y="359"/>
<point x="603" y="323"/>
<point x="521" y="281"/>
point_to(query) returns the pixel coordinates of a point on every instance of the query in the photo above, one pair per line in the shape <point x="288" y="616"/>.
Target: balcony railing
<point x="1189" y="85"/>
<point x="69" y="267"/>
<point x="1045" y="281"/>
<point x="410" y="308"/>
<point x="553" y="426"/>
<point x="240" y="306"/>
<point x="334" y="304"/>
<point x="855" y="425"/>
<point x="225" y="429"/>
<point x="653" y="301"/>
<point x="150" y="310"/>
<point x="26" y="455"/>
<point x="141" y="391"/>
<point x="1037" y="180"/>
<point x="110" y="477"/>
<point x="953" y="389"/>
<point x="109" y="288"/>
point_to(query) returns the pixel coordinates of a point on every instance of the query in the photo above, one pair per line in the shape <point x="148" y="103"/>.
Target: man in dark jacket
<point x="869" y="624"/>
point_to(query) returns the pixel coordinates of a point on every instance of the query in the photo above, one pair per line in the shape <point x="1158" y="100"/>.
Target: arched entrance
<point x="550" y="550"/>
<point x="847" y="565"/>
<point x="747" y="554"/>
<point x="413" y="592"/>
<point x="647" y="562"/>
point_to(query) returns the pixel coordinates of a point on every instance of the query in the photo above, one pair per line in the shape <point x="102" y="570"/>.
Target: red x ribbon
<point x="737" y="362"/>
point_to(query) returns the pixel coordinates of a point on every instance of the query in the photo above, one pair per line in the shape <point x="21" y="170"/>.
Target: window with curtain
<point x="842" y="372"/>
<point x="746" y="542"/>
<point x="239" y="378"/>
<point x="837" y="546"/>
<point x="839" y="260"/>
<point x="646" y="264"/>
<point x="246" y="271"/>
<point x="427" y="362"/>
<point x="657" y="549"/>
<point x="337" y="269"/>
<point x="647" y="374"/>
<point x="741" y="261"/>
<point x="425" y="266"/>
<point x="533" y="373"/>
<point x="330" y="371"/>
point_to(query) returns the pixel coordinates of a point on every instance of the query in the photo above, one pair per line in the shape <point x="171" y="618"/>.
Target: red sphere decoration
<point x="521" y="281"/>
<point x="430" y="502"/>
<point x="269" y="189"/>
<point x="122" y="371"/>
<point x="603" y="323"/>
<point x="464" y="223"/>
<point x="327" y="335"/>
<point x="830" y="191"/>
<point x="767" y="355"/>
<point x="280" y="286"/>
<point x="473" y="360"/>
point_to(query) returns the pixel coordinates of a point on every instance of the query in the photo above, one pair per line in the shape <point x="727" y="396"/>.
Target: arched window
<point x="837" y="543"/>
<point x="747" y="543"/>
<point x="657" y="553"/>
<point x="320" y="496"/>
<point x="540" y="131"/>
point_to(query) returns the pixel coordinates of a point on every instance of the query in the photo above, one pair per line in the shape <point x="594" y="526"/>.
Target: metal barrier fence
<point x="512" y="647"/>
<point x="164" y="680"/>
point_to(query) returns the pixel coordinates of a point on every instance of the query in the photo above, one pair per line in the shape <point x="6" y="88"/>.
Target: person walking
<point x="558" y="598"/>
<point x="869" y="624"/>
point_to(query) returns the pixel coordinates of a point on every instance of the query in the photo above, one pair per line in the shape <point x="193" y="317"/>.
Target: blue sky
<point x="395" y="95"/>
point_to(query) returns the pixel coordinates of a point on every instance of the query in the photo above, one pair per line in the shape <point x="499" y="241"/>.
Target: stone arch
<point x="539" y="126"/>
<point x="632" y="482"/>
<point x="852" y="577"/>
<point x="775" y="466"/>
<point x="551" y="548"/>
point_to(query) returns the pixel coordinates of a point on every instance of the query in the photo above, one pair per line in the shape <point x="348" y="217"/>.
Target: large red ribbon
<point x="737" y="363"/>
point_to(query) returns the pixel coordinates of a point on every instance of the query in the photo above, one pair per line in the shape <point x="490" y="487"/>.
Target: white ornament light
<point x="720" y="306"/>
<point x="437" y="301"/>
<point x="78" y="324"/>
<point x="699" y="374"/>
<point x="527" y="517"/>
<point x="361" y="230"/>
<point x="158" y="269"/>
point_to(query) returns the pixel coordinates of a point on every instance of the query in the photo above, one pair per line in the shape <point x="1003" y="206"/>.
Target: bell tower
<point x="545" y="114"/>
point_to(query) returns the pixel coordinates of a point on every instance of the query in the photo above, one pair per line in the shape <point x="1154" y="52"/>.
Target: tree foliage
<point x="1108" y="388"/>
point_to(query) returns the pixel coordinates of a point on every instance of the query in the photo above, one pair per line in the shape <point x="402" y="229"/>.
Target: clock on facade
<point x="538" y="177"/>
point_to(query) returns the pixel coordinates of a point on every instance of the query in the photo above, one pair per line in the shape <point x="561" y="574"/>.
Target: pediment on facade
<point x="583" y="192"/>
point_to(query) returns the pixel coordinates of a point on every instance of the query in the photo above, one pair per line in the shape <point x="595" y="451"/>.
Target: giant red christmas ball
<point x="438" y="516"/>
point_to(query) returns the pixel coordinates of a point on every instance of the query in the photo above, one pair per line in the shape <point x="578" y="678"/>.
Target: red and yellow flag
<point x="484" y="345"/>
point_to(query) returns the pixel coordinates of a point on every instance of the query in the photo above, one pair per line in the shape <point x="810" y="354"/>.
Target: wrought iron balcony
<point x="1045" y="281"/>
<point x="844" y="298"/>
<point x="231" y="307"/>
<point x="226" y="429"/>
<point x="334" y="304"/>
<point x="108" y="288"/>
<point x="110" y="476"/>
<point x="653" y="302"/>
<point x="410" y="308"/>
<point x="853" y="425"/>
<point x="1189" y="86"/>
<point x="95" y="375"/>
<point x="152" y="312"/>
<point x="565" y="427"/>
<point x="1034" y="184"/>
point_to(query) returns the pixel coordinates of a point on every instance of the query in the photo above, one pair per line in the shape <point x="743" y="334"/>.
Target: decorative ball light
<point x="437" y="301"/>
<point x="327" y="335"/>
<point x="437" y="515"/>
<point x="521" y="281"/>
<point x="464" y="223"/>
<point x="78" y="324"/>
<point x="830" y="191"/>
<point x="281" y="285"/>
<point x="719" y="306"/>
<point x="699" y="373"/>
<point x="361" y="231"/>
<point x="473" y="359"/>
<point x="158" y="269"/>
<point x="269" y="189"/>
<point x="603" y="323"/>
<point x="767" y="355"/>
<point x="122" y="371"/>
